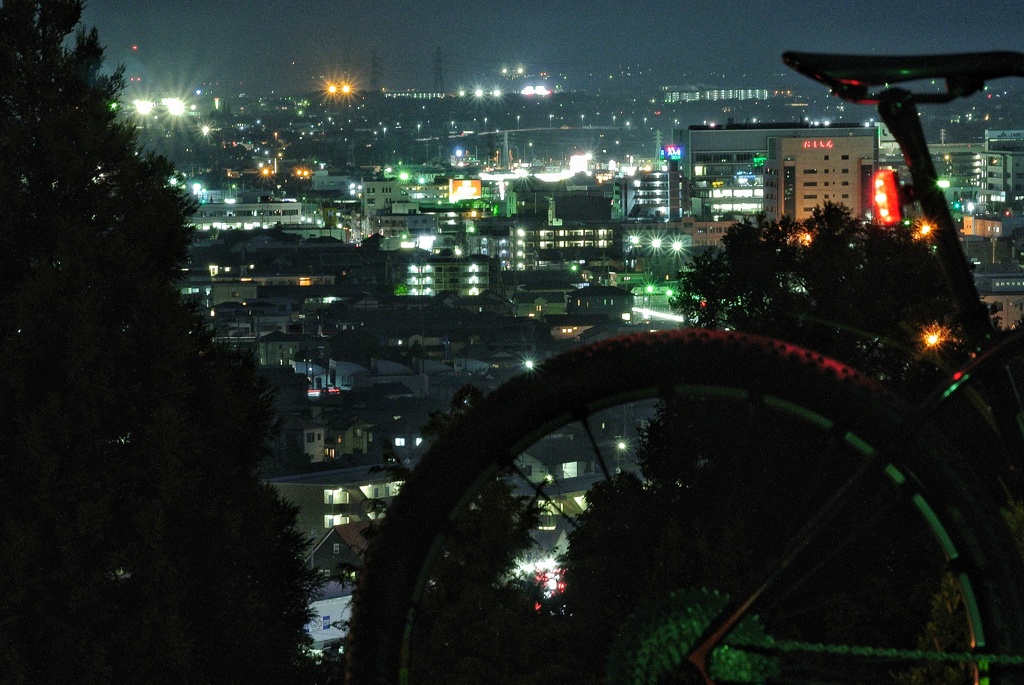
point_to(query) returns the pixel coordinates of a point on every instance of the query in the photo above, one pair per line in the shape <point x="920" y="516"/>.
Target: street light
<point x="621" y="447"/>
<point x="677" y="250"/>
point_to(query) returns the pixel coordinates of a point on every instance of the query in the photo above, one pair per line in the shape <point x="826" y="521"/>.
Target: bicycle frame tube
<point x="898" y="111"/>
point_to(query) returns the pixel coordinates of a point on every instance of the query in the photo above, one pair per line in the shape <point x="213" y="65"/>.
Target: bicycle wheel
<point x="692" y="476"/>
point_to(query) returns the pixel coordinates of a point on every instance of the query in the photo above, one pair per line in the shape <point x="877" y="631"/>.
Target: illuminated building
<point x="804" y="172"/>
<point x="231" y="214"/>
<point x="670" y="94"/>
<point x="656" y="195"/>
<point x="741" y="170"/>
<point x="1004" y="166"/>
<point x="380" y="194"/>
<point x="466" y="276"/>
<point x="977" y="178"/>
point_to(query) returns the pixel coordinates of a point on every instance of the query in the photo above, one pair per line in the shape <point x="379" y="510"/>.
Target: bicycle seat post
<point x="899" y="112"/>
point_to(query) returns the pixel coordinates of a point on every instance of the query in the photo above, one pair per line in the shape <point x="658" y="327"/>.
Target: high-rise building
<point x="1004" y="173"/>
<point x="805" y="172"/>
<point x="745" y="169"/>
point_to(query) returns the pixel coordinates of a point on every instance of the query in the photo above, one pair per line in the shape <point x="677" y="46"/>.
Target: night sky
<point x="262" y="46"/>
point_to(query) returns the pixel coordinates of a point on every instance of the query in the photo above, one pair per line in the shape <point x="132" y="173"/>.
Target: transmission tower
<point x="439" y="70"/>
<point x="374" y="72"/>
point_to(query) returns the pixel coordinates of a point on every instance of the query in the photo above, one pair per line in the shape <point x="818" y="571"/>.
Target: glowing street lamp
<point x="933" y="336"/>
<point x="175" y="106"/>
<point x="338" y="89"/>
<point x="924" y="231"/>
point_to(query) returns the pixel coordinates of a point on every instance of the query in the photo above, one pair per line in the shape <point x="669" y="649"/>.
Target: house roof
<point x="601" y="291"/>
<point x="352" y="534"/>
<point x="576" y="319"/>
<point x="279" y="336"/>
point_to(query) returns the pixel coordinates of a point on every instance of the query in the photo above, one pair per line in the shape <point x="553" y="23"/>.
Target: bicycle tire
<point x="657" y="365"/>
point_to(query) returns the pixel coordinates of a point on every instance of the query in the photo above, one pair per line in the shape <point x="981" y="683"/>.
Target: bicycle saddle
<point x="850" y="76"/>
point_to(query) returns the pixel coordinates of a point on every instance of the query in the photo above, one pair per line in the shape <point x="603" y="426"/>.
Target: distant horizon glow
<point x="211" y="44"/>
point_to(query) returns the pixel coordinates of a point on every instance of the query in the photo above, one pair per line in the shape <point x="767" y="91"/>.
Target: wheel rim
<point x="905" y="498"/>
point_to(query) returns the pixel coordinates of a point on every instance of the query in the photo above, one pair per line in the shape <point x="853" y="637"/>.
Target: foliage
<point x="477" y="619"/>
<point x="442" y="422"/>
<point x="647" y="650"/>
<point x="943" y="632"/>
<point x="139" y="543"/>
<point x="854" y="290"/>
<point x="709" y="506"/>
<point x="473" y="628"/>
<point x="1014" y="516"/>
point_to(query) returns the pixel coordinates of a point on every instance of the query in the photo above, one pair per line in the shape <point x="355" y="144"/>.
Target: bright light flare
<point x="935" y="335"/>
<point x="924" y="230"/>
<point x="805" y="238"/>
<point x="175" y="106"/>
<point x="335" y="89"/>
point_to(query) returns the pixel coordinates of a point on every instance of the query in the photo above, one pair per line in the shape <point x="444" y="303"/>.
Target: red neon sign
<point x="823" y="144"/>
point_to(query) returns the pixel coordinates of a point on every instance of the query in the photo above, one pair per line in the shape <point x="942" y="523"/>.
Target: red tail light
<point x="886" y="198"/>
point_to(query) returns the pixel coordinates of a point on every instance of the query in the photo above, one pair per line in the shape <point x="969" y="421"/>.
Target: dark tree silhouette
<point x="859" y="292"/>
<point x="139" y="544"/>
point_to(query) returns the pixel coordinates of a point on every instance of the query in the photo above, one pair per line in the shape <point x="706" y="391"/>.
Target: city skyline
<point x="249" y="45"/>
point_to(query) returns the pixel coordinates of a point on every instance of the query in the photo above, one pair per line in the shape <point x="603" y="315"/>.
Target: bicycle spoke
<point x="662" y="504"/>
